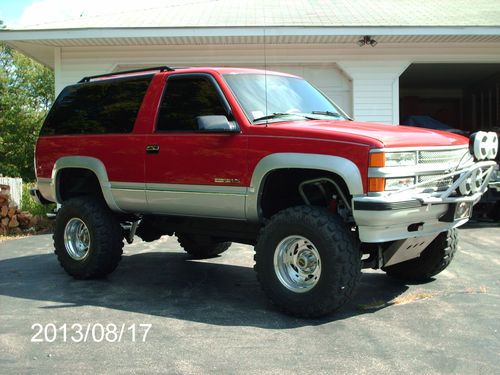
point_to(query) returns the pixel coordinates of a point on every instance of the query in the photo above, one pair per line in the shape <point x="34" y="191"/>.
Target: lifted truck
<point x="221" y="155"/>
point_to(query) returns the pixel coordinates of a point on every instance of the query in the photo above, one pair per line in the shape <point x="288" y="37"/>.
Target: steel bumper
<point x="407" y="213"/>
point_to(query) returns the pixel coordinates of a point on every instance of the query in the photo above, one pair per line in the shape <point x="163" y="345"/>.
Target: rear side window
<point x="108" y="106"/>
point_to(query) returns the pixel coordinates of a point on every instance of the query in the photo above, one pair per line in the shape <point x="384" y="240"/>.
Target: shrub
<point x="31" y="205"/>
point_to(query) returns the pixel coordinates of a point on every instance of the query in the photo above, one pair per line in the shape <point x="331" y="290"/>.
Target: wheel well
<point x="281" y="189"/>
<point x="74" y="182"/>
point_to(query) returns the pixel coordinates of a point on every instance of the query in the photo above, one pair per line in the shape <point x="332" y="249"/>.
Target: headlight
<point x="399" y="183"/>
<point x="400" y="159"/>
<point x="393" y="159"/>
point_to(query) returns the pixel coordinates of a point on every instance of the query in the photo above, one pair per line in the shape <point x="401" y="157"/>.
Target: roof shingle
<point x="275" y="13"/>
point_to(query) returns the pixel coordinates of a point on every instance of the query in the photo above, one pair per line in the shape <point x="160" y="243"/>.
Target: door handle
<point x="152" y="149"/>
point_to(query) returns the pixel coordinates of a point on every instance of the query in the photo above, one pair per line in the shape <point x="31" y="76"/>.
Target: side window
<point x="107" y="106"/>
<point x="184" y="99"/>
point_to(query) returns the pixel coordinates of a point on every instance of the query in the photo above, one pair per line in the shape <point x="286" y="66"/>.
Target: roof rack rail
<point x="159" y="68"/>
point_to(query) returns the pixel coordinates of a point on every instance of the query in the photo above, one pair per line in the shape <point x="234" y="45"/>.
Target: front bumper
<point x="407" y="213"/>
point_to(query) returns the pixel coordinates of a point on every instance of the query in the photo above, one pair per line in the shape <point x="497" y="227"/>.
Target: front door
<point x="193" y="173"/>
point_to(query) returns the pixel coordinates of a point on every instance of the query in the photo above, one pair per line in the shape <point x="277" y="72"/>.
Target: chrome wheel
<point x="77" y="239"/>
<point x="297" y="264"/>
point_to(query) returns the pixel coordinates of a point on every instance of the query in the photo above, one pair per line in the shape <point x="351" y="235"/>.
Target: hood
<point x="373" y="134"/>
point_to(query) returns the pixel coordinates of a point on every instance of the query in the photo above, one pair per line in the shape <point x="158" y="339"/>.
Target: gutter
<point x="144" y="32"/>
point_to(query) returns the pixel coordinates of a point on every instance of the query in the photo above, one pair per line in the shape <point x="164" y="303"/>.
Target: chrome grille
<point x="439" y="185"/>
<point x="444" y="159"/>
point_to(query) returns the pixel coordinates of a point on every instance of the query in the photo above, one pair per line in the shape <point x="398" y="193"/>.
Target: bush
<point x="31" y="205"/>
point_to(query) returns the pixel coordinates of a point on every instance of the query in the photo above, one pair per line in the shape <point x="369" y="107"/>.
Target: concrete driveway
<point x="211" y="317"/>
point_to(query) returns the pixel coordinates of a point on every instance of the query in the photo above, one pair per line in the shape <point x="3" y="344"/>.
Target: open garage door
<point x="462" y="96"/>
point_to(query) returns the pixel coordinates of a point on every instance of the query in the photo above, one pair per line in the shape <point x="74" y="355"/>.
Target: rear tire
<point x="88" y="239"/>
<point x="307" y="261"/>
<point x="201" y="247"/>
<point x="433" y="260"/>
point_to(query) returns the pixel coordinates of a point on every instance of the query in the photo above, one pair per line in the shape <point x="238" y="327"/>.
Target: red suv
<point x="221" y="155"/>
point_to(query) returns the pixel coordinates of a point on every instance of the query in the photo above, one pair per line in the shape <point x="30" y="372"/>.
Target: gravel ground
<point x="211" y="317"/>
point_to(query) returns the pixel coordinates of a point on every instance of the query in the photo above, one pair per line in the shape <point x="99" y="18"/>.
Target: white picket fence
<point x="16" y="189"/>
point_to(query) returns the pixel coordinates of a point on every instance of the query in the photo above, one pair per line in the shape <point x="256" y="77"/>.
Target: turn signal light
<point x="377" y="159"/>
<point x="376" y="184"/>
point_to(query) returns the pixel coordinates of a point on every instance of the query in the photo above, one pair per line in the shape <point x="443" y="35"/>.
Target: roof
<point x="309" y="13"/>
<point x="225" y="22"/>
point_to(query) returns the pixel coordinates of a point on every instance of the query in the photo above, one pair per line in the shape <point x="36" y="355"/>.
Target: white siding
<point x="375" y="89"/>
<point x="79" y="62"/>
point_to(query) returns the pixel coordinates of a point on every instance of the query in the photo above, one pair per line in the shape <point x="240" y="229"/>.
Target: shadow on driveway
<point x="173" y="285"/>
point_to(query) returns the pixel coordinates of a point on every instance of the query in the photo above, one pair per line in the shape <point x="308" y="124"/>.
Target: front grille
<point x="441" y="160"/>
<point x="444" y="159"/>
<point x="439" y="185"/>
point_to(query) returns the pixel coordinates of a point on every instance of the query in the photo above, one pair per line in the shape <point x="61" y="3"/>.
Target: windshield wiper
<point x="281" y="114"/>
<point x="327" y="113"/>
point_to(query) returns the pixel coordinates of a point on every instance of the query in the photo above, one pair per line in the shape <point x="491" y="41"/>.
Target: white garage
<point x="354" y="51"/>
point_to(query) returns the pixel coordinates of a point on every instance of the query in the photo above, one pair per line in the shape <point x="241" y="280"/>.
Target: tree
<point x="26" y="94"/>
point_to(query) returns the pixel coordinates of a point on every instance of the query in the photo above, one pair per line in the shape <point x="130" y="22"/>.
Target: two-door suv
<point x="221" y="155"/>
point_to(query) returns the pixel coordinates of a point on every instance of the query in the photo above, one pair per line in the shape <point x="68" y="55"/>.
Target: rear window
<point x="108" y="106"/>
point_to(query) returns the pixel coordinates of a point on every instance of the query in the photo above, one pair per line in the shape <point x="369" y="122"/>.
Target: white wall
<point x="375" y="89"/>
<point x="364" y="81"/>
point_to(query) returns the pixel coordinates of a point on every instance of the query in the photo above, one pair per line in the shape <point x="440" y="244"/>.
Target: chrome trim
<point x="464" y="174"/>
<point x="202" y="189"/>
<point x="429" y="170"/>
<point x="409" y="171"/>
<point x="77" y="239"/>
<point x="297" y="264"/>
<point x="421" y="148"/>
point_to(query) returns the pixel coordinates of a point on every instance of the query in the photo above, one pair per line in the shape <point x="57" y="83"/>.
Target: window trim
<point x="220" y="94"/>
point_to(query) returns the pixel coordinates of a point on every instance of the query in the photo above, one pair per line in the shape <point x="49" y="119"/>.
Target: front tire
<point x="307" y="261"/>
<point x="88" y="239"/>
<point x="433" y="260"/>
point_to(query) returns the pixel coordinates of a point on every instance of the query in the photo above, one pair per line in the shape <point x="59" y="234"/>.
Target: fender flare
<point x="343" y="167"/>
<point x="85" y="162"/>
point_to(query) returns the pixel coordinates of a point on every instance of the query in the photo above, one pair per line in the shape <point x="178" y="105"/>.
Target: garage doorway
<point x="460" y="96"/>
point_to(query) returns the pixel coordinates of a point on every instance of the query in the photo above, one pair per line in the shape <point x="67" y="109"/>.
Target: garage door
<point x="327" y="78"/>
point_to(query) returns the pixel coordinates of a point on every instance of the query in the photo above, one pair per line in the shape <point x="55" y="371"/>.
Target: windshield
<point x="288" y="98"/>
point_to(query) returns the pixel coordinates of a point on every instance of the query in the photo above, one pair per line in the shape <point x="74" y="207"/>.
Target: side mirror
<point x="216" y="124"/>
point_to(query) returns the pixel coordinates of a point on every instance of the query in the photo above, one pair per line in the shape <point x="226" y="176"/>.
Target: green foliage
<point x="31" y="205"/>
<point x="26" y="94"/>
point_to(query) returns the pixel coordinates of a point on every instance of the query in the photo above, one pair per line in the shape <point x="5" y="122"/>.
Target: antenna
<point x="265" y="61"/>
